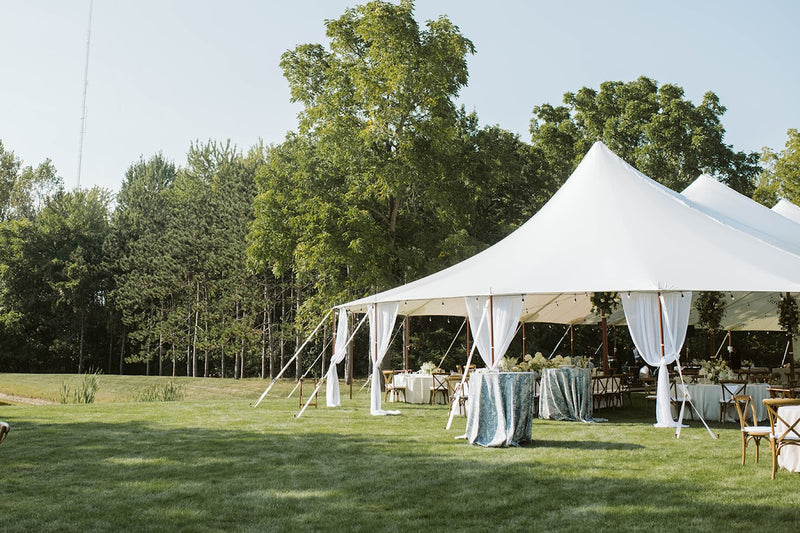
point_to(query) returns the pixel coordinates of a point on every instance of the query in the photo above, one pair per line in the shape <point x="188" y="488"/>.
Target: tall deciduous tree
<point x="54" y="277"/>
<point x="781" y="175"/>
<point x="361" y="197"/>
<point x="24" y="189"/>
<point x="654" y="128"/>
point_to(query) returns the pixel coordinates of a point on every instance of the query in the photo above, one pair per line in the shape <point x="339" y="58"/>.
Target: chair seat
<point x="756" y="430"/>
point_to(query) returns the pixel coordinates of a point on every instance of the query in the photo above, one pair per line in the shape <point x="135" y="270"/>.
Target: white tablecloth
<point x="706" y="399"/>
<point x="418" y="388"/>
<point x="789" y="458"/>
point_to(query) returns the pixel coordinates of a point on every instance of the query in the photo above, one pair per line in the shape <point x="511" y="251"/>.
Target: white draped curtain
<point x="502" y="320"/>
<point x="647" y="326"/>
<point x="332" y="396"/>
<point x="381" y="324"/>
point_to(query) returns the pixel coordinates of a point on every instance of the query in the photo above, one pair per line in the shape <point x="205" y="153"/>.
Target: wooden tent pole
<point x="491" y="329"/>
<point x="604" y="326"/>
<point x="405" y="344"/>
<point x="467" y="336"/>
<point x="661" y="325"/>
<point x="571" y="342"/>
<point x="350" y="356"/>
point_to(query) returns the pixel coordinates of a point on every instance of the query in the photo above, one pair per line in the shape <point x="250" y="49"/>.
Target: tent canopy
<point x="608" y="228"/>
<point x="787" y="209"/>
<point x="754" y="311"/>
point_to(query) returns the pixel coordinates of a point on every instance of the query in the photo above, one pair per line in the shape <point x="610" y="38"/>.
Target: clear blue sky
<point x="165" y="72"/>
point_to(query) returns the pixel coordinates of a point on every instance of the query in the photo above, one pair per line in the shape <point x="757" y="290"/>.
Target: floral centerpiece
<point x="429" y="367"/>
<point x="715" y="370"/>
<point x="538" y="362"/>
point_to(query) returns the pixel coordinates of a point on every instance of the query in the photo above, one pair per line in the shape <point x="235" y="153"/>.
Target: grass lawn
<point x="211" y="462"/>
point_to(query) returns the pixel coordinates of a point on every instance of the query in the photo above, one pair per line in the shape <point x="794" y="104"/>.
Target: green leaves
<point x="655" y="129"/>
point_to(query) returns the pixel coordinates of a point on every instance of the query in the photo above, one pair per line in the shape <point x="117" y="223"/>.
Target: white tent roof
<point x="755" y="311"/>
<point x="787" y="209"/>
<point x="609" y="228"/>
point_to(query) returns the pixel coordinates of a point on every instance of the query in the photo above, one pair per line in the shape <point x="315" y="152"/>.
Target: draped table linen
<point x="789" y="457"/>
<point x="418" y="387"/>
<point x="706" y="397"/>
<point x="566" y="394"/>
<point x="500" y="408"/>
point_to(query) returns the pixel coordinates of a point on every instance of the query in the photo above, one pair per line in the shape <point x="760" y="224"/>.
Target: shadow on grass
<point x="142" y="476"/>
<point x="584" y="445"/>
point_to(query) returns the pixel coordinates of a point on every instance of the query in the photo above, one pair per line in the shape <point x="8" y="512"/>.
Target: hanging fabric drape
<point x="381" y="322"/>
<point x="648" y="323"/>
<point x="498" y="330"/>
<point x="332" y="396"/>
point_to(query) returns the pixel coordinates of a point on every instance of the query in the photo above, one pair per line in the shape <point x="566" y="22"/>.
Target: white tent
<point x="609" y="228"/>
<point x="754" y="311"/>
<point x="787" y="209"/>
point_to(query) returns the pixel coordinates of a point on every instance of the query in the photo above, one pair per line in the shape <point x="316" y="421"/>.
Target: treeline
<point x="221" y="265"/>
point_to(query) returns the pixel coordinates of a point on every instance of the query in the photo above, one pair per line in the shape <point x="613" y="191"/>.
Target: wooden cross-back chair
<point x="748" y="421"/>
<point x="778" y="392"/>
<point x="439" y="386"/>
<point x="391" y="388"/>
<point x="730" y="388"/>
<point x="784" y="429"/>
<point x="458" y="392"/>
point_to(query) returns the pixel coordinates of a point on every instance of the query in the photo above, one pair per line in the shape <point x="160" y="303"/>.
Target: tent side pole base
<point x="300" y="349"/>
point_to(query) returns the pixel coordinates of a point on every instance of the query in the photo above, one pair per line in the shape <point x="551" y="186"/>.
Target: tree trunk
<point x="122" y="351"/>
<point x="147" y="356"/>
<point x="80" y="349"/>
<point x="271" y="345"/>
<point x="110" y="343"/>
<point x="160" y="354"/>
<point x="222" y="360"/>
<point x="298" y="362"/>
<point x="264" y="336"/>
<point x="236" y="355"/>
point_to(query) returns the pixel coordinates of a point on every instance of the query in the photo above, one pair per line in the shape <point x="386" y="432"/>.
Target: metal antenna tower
<point x="85" y="86"/>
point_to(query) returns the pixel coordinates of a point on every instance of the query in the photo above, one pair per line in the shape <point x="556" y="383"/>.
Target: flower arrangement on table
<point x="538" y="362"/>
<point x="429" y="367"/>
<point x="747" y="364"/>
<point x="715" y="370"/>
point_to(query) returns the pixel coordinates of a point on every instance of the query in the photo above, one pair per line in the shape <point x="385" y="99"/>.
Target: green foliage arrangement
<point x="604" y="303"/>
<point x="788" y="314"/>
<point x="710" y="310"/>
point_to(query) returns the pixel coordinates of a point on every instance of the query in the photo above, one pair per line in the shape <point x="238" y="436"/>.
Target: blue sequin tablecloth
<point x="566" y="394"/>
<point x="500" y="409"/>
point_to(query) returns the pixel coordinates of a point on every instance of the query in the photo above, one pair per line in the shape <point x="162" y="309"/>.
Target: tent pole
<point x="523" y="339"/>
<point x="405" y="344"/>
<point x="791" y="354"/>
<point x="375" y="360"/>
<point x="661" y="325"/>
<point x="293" y="357"/>
<point x="571" y="342"/>
<point x="467" y="319"/>
<point x="350" y="357"/>
<point x="604" y="326"/>
<point x="491" y="329"/>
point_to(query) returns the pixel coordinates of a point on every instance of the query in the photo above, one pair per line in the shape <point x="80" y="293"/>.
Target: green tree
<point x="654" y="128"/>
<point x="349" y="201"/>
<point x="24" y="189"/>
<point x="781" y="175"/>
<point x="55" y="283"/>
